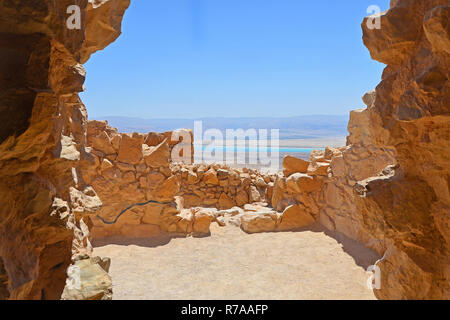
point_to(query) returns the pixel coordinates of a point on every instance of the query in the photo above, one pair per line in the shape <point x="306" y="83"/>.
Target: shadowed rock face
<point x="409" y="208"/>
<point x="42" y="135"/>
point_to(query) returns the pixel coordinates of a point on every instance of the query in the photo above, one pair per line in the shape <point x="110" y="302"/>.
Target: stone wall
<point x="220" y="186"/>
<point x="129" y="170"/>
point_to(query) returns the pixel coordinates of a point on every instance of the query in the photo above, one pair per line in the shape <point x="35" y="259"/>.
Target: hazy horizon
<point x="299" y="127"/>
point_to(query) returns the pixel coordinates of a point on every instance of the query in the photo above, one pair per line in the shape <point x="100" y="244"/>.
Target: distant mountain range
<point x="299" y="127"/>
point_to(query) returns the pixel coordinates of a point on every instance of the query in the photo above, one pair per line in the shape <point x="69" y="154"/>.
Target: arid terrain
<point x="231" y="264"/>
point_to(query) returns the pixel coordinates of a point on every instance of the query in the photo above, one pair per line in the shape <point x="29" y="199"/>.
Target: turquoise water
<point x="267" y="150"/>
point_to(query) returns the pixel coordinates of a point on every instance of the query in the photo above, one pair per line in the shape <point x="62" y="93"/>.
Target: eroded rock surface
<point x="409" y="209"/>
<point x="42" y="139"/>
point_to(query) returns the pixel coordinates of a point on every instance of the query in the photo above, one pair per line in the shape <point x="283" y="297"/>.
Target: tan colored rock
<point x="222" y="174"/>
<point x="294" y="165"/>
<point x="185" y="224"/>
<point x="259" y="222"/>
<point x="106" y="164"/>
<point x="88" y="280"/>
<point x="269" y="192"/>
<point x="155" y="179"/>
<point x="152" y="213"/>
<point x="168" y="189"/>
<point x="192" y="200"/>
<point x="210" y="177"/>
<point x="130" y="150"/>
<point x="125" y="166"/>
<point x="158" y="156"/>
<point x="225" y="202"/>
<point x="102" y="143"/>
<point x="241" y="198"/>
<point x="128" y="177"/>
<point x="299" y="182"/>
<point x="260" y="183"/>
<point x="278" y="192"/>
<point x="86" y="200"/>
<point x="43" y="146"/>
<point x="253" y="194"/>
<point x="338" y="166"/>
<point x="318" y="168"/>
<point x="294" y="217"/>
<point x="202" y="221"/>
<point x="192" y="177"/>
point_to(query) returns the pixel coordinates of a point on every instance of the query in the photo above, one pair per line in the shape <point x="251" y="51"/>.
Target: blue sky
<point x="234" y="58"/>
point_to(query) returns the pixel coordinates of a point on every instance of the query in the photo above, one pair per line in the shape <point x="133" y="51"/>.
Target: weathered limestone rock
<point x="294" y="217"/>
<point x="403" y="212"/>
<point x="294" y="165"/>
<point x="259" y="222"/>
<point x="42" y="140"/>
<point x="202" y="221"/>
<point x="225" y="202"/>
<point x="254" y="195"/>
<point x="130" y="150"/>
<point x="89" y="280"/>
<point x="299" y="182"/>
<point x="241" y="198"/>
<point x="157" y="156"/>
<point x="317" y="168"/>
<point x="210" y="177"/>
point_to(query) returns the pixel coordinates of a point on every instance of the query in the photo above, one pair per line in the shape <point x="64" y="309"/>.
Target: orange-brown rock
<point x="407" y="206"/>
<point x="202" y="222"/>
<point x="294" y="217"/>
<point x="241" y="198"/>
<point x="130" y="150"/>
<point x="157" y="156"/>
<point x="318" y="168"/>
<point x="259" y="222"/>
<point x="42" y="139"/>
<point x="294" y="165"/>
<point x="253" y="194"/>
<point x="299" y="182"/>
<point x="210" y="177"/>
<point x="225" y="202"/>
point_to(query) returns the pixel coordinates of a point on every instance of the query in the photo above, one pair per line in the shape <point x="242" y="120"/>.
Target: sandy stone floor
<point x="231" y="264"/>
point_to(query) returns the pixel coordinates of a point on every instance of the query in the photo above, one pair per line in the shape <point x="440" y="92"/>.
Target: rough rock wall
<point x="359" y="160"/>
<point x="42" y="138"/>
<point x="408" y="207"/>
<point x="220" y="186"/>
<point x="131" y="170"/>
<point x="389" y="187"/>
